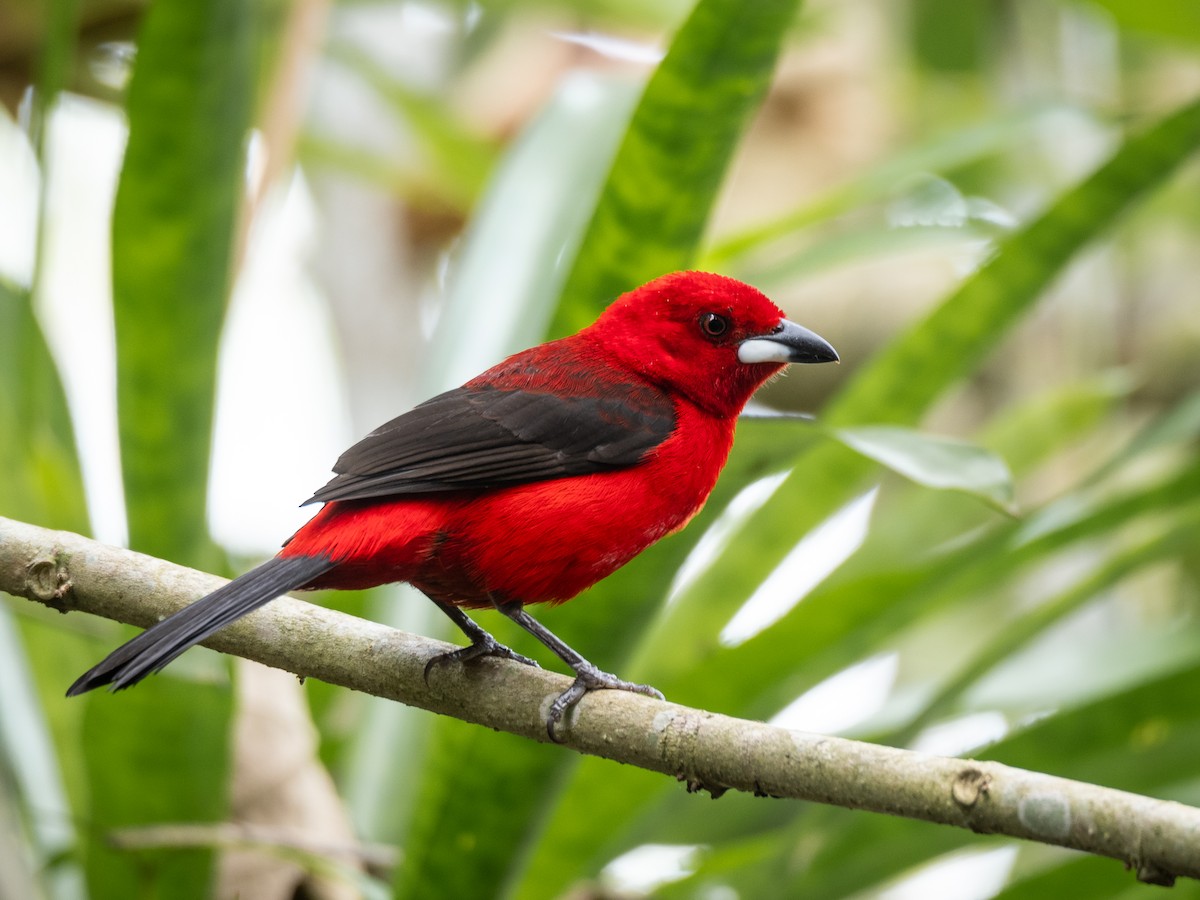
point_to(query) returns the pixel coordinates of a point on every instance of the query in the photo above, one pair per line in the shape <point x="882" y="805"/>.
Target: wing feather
<point x="481" y="437"/>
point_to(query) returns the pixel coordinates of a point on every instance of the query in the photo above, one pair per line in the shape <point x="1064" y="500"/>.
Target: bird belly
<point x="548" y="541"/>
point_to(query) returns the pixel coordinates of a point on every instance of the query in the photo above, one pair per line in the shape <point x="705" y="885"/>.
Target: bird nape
<point x="531" y="482"/>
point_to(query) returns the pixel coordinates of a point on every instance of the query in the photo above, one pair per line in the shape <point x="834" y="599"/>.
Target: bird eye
<point x="713" y="325"/>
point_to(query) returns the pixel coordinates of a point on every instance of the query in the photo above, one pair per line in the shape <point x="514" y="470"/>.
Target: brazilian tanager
<point x="529" y="483"/>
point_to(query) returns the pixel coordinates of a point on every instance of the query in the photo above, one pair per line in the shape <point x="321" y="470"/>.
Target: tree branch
<point x="1159" y="839"/>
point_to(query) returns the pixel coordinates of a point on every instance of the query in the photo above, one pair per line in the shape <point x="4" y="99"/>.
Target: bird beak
<point x="788" y="343"/>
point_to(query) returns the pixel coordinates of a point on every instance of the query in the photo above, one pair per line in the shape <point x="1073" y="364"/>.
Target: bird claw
<point x="587" y="680"/>
<point x="488" y="647"/>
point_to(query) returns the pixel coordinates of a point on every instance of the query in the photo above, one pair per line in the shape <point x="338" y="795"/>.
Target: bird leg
<point x="482" y="643"/>
<point x="587" y="676"/>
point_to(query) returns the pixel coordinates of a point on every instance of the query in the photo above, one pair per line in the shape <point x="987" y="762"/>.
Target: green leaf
<point x="154" y="757"/>
<point x="1070" y="875"/>
<point x="37" y="441"/>
<point x="1181" y="425"/>
<point x="1175" y="20"/>
<point x="935" y="462"/>
<point x="664" y="180"/>
<point x="33" y="791"/>
<point x="175" y="226"/>
<point x="472" y="780"/>
<point x="949" y="150"/>
<point x="902" y="382"/>
<point x="153" y="760"/>
<point x="1009" y="638"/>
<point x="865" y="245"/>
<point x="952" y="37"/>
<point x="1140" y="738"/>
<point x="1033" y="431"/>
<point x="60" y="23"/>
<point x="43" y="484"/>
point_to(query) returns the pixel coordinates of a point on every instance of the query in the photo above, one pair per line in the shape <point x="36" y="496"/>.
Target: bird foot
<point x="588" y="678"/>
<point x="488" y="646"/>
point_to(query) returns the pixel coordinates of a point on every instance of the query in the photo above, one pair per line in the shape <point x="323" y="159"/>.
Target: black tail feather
<point x="158" y="645"/>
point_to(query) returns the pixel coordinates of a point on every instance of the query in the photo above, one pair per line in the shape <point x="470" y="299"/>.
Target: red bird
<point x="532" y="481"/>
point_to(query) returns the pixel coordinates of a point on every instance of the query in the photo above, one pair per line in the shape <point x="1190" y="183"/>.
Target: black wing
<point x="474" y="438"/>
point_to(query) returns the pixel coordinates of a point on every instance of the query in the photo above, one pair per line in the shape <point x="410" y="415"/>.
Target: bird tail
<point x="158" y="645"/>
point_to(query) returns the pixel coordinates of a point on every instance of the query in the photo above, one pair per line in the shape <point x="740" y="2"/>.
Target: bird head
<point x="711" y="338"/>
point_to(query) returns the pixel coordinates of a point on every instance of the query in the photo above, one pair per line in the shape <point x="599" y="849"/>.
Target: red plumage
<point x="532" y="481"/>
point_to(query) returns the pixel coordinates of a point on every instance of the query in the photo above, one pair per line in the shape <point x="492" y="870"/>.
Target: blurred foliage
<point x="175" y="222"/>
<point x="1020" y="456"/>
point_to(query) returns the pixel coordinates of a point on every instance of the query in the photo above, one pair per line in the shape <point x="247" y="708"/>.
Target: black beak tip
<point x="807" y="346"/>
<point x="820" y="354"/>
<point x="788" y="343"/>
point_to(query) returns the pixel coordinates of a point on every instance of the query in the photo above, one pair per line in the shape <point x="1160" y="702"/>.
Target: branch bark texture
<point x="1159" y="839"/>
